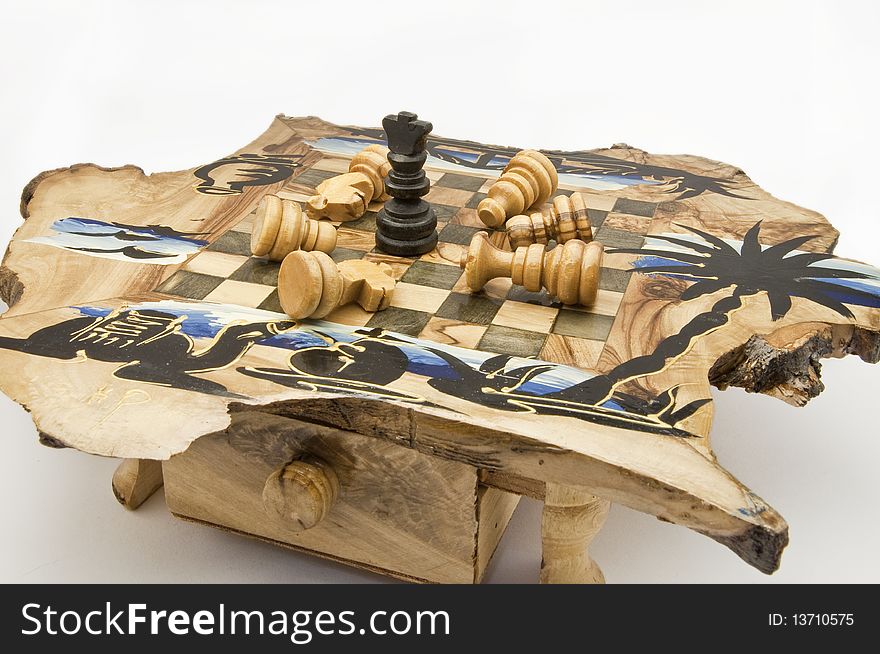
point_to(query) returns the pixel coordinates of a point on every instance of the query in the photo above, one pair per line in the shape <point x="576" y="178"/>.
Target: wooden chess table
<point x="401" y="441"/>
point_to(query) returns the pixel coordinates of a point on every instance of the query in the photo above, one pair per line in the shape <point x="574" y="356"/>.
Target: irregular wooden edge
<point x="30" y="188"/>
<point x="11" y="288"/>
<point x="135" y="480"/>
<point x="757" y="538"/>
<point x="792" y="373"/>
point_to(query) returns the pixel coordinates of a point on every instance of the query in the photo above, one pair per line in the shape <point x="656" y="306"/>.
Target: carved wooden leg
<point x="572" y="517"/>
<point x="135" y="480"/>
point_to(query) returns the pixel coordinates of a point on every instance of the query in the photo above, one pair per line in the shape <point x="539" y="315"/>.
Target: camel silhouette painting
<point x="149" y="344"/>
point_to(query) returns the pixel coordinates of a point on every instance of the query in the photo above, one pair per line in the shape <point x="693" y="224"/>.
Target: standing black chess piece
<point x="406" y="226"/>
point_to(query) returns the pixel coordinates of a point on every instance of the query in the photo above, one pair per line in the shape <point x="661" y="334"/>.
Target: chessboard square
<point x="635" y="207"/>
<point x="445" y="212"/>
<point x="459" y="234"/>
<point x="366" y="223"/>
<point x="452" y="197"/>
<point x="572" y="351"/>
<point x="616" y="238"/>
<point x="446" y="254"/>
<point x="349" y="314"/>
<point x="531" y="317"/>
<point x="597" y="217"/>
<point x="540" y="298"/>
<point x="453" y="332"/>
<point x="475" y="200"/>
<point x="245" y="225"/>
<point x="312" y="177"/>
<point x="420" y="298"/>
<point x="216" y="264"/>
<point x="243" y="294"/>
<point x="352" y="239"/>
<point x="627" y="223"/>
<point x="296" y="196"/>
<point x="193" y="286"/>
<point x="461" y="182"/>
<point x="257" y="271"/>
<point x="337" y="165"/>
<point x="468" y="218"/>
<point x="398" y="319"/>
<point x="611" y="279"/>
<point x="513" y="342"/>
<point x="469" y="307"/>
<point x="619" y="260"/>
<point x="593" y="326"/>
<point x="399" y="265"/>
<point x="345" y="254"/>
<point x="498" y="288"/>
<point x="232" y="242"/>
<point x="272" y="302"/>
<point x="488" y="184"/>
<point x="600" y="202"/>
<point x="607" y="303"/>
<point x="435" y="275"/>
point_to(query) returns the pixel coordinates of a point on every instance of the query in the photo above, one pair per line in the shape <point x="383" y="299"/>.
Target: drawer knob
<point x="302" y="492"/>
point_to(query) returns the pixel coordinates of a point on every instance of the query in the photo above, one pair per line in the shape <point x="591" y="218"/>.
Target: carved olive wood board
<point x="138" y="322"/>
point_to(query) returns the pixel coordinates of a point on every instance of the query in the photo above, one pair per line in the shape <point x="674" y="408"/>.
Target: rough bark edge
<point x="790" y="374"/>
<point x="760" y="546"/>
<point x="11" y="289"/>
<point x="30" y="188"/>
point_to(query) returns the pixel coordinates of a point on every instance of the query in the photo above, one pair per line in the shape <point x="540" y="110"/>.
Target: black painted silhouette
<point x="577" y="163"/>
<point x="245" y="170"/>
<point x="491" y="385"/>
<point x="149" y="344"/>
<point x="368" y="364"/>
<point x="364" y="367"/>
<point x="714" y="266"/>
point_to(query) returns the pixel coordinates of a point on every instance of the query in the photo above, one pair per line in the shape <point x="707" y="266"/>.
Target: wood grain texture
<point x="740" y="334"/>
<point x="398" y="510"/>
<point x="90" y="191"/>
<point x="571" y="519"/>
<point x="135" y="480"/>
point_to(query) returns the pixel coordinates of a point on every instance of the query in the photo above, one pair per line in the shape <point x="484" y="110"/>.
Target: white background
<point x="787" y="91"/>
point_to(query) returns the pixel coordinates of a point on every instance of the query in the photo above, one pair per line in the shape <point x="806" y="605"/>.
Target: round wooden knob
<point x="301" y="493"/>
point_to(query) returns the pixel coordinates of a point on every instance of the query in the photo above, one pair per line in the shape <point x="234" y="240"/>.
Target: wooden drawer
<point x="396" y="510"/>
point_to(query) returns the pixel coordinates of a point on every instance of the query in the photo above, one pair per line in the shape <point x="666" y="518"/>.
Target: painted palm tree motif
<point x="713" y="264"/>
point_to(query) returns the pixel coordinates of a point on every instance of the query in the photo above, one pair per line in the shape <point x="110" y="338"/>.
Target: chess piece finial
<point x="569" y="272"/>
<point x="406" y="226"/>
<point x="280" y="228"/>
<point x="311" y="284"/>
<point x="566" y="218"/>
<point x="527" y="181"/>
<point x="346" y="197"/>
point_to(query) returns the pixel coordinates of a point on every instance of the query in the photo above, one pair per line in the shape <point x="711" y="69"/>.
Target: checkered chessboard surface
<point x="431" y="300"/>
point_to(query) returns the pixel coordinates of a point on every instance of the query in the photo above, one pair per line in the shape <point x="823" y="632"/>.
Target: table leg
<point x="572" y="517"/>
<point x="135" y="480"/>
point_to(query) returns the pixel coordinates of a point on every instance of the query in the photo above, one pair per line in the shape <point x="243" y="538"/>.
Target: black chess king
<point x="406" y="226"/>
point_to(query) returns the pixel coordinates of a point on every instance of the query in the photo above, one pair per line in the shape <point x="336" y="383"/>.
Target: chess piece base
<point x="405" y="229"/>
